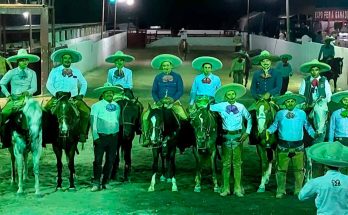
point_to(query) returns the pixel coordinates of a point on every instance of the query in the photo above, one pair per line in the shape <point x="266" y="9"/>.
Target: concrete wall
<point x="301" y="53"/>
<point x="194" y="41"/>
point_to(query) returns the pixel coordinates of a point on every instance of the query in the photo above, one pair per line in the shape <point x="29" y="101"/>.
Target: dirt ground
<point x="133" y="198"/>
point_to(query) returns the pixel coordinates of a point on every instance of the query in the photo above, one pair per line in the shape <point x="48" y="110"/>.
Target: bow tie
<point x="232" y="108"/>
<point x="67" y="72"/>
<point x="167" y="78"/>
<point x="119" y="73"/>
<point x="290" y="115"/>
<point x="111" y="107"/>
<point x="206" y="80"/>
<point x="315" y="82"/>
<point x="266" y="76"/>
<point x="22" y="75"/>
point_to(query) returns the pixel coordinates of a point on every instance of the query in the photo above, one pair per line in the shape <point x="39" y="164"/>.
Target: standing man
<point x="167" y="88"/>
<point x="23" y="82"/>
<point x="267" y="81"/>
<point x="331" y="190"/>
<point x="316" y="88"/>
<point x="206" y="83"/>
<point x="120" y="75"/>
<point x="66" y="79"/>
<point x="290" y="123"/>
<point x="285" y="69"/>
<point x="238" y="67"/>
<point x="105" y="116"/>
<point x="327" y="51"/>
<point x="232" y="114"/>
<point x="339" y="119"/>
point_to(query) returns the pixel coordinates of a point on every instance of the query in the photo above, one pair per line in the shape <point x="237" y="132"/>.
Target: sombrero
<point x="329" y="153"/>
<point x="221" y="92"/>
<point x="323" y="67"/>
<point x="57" y="55"/>
<point x="265" y="55"/>
<point x="22" y="53"/>
<point x="198" y="63"/>
<point x="329" y="38"/>
<point x="290" y="95"/>
<point x="337" y="97"/>
<point x="106" y="87"/>
<point x="159" y="59"/>
<point x="287" y="56"/>
<point x="117" y="55"/>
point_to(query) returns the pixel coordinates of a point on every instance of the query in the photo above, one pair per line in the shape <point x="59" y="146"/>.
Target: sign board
<point x="331" y="14"/>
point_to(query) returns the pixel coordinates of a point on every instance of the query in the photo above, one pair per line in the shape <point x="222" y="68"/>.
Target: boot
<point x="281" y="184"/>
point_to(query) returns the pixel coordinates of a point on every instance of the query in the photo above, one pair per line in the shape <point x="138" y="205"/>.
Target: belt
<point x="233" y="132"/>
<point x="105" y="135"/>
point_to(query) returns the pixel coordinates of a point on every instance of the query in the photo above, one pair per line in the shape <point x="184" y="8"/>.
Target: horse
<point x="206" y="132"/>
<point x="162" y="133"/>
<point x="64" y="133"/>
<point x="131" y="111"/>
<point x="24" y="131"/>
<point x="183" y="49"/>
<point x="263" y="117"/>
<point x="336" y="69"/>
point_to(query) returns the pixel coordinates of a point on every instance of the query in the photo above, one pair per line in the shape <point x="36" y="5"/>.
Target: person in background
<point x="284" y="67"/>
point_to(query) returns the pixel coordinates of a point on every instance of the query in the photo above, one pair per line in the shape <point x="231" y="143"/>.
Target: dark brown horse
<point x="336" y="69"/>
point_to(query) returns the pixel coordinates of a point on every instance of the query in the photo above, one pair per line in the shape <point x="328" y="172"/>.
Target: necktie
<point x="232" y="108"/>
<point x="206" y="80"/>
<point x="67" y="72"/>
<point x="22" y="74"/>
<point x="119" y="73"/>
<point x="290" y="115"/>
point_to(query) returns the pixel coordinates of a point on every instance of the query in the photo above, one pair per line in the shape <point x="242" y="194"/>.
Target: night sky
<point x="192" y="14"/>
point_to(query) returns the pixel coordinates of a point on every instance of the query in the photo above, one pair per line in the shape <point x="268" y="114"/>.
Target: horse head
<point x="130" y="116"/>
<point x="319" y="114"/>
<point x="204" y="126"/>
<point x="265" y="114"/>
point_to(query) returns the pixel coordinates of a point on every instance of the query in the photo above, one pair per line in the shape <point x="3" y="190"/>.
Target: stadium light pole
<point x="115" y="2"/>
<point x="287" y="21"/>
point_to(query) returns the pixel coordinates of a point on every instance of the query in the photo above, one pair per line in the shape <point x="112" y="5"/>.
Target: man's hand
<point x="243" y="137"/>
<point x="267" y="135"/>
<point x="9" y="97"/>
<point x="159" y="103"/>
<point x="25" y="93"/>
<point x="266" y="96"/>
<point x="167" y="100"/>
<point x="79" y="97"/>
<point x="59" y="94"/>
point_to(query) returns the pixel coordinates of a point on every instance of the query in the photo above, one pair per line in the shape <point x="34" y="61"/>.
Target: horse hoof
<point x="72" y="189"/>
<point x="59" y="188"/>
<point x="151" y="189"/>
<point x="197" y="189"/>
<point x="39" y="195"/>
<point x="20" y="193"/>
<point x="174" y="189"/>
<point x="162" y="178"/>
<point x="169" y="180"/>
<point x="217" y="189"/>
<point x="261" y="190"/>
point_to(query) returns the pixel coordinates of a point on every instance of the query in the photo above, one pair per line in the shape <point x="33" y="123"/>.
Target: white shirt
<point x="232" y="121"/>
<point x="104" y="118"/>
<point x="125" y="82"/>
<point x="330" y="192"/>
<point x="315" y="94"/>
<point x="183" y="34"/>
<point x="19" y="82"/>
<point x="57" y="82"/>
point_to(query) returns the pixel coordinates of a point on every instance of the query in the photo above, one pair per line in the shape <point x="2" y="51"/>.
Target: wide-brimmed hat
<point x="337" y="97"/>
<point x="306" y="67"/>
<point x="159" y="59"/>
<point x="329" y="38"/>
<point x="286" y="56"/>
<point x="329" y="153"/>
<point x="221" y="92"/>
<point x="75" y="55"/>
<point x="265" y="55"/>
<point x="106" y="87"/>
<point x="21" y="54"/>
<point x="290" y="95"/>
<point x="117" y="55"/>
<point x="198" y="63"/>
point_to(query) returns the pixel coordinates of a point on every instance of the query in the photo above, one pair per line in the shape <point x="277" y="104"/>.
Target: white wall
<point x="301" y="53"/>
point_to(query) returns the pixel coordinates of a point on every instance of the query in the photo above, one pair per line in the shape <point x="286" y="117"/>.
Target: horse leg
<point x="25" y="166"/>
<point x="171" y="168"/>
<point x="266" y="168"/>
<point x="36" y="159"/>
<point x="13" y="165"/>
<point x="71" y="164"/>
<point x="213" y="168"/>
<point x="155" y="155"/>
<point x="198" y="170"/>
<point x="308" y="169"/>
<point x="163" y="167"/>
<point x="127" y="160"/>
<point x="19" y="160"/>
<point x="58" y="152"/>
<point x="115" y="166"/>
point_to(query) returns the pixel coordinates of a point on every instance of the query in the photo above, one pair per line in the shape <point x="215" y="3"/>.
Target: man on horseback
<point x="120" y="75"/>
<point x="167" y="89"/>
<point x="66" y="79"/>
<point x="105" y="116"/>
<point x="290" y="145"/>
<point x="315" y="88"/>
<point x="327" y="51"/>
<point x="23" y="82"/>
<point x="285" y="69"/>
<point x="232" y="114"/>
<point x="238" y="67"/>
<point x="206" y="83"/>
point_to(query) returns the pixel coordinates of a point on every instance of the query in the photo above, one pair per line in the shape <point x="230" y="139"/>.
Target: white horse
<point x="26" y="126"/>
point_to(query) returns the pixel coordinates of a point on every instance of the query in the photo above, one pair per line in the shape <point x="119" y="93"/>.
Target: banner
<point x="331" y="14"/>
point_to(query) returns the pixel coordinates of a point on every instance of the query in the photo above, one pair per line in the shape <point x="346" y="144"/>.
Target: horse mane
<point x="168" y="120"/>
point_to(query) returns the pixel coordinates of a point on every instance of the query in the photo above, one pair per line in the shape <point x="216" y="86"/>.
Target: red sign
<point x="331" y="14"/>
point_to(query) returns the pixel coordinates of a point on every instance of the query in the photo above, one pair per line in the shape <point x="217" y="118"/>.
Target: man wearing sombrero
<point x="206" y="83"/>
<point x="284" y="67"/>
<point x="331" y="190"/>
<point x="315" y="88"/>
<point x="267" y="81"/>
<point x="167" y="88"/>
<point x="327" y="51"/>
<point x="339" y="119"/>
<point x="105" y="116"/>
<point x="290" y="123"/>
<point x="232" y="114"/>
<point x="120" y="75"/>
<point x="22" y="79"/>
<point x="238" y="67"/>
<point x="66" y="79"/>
